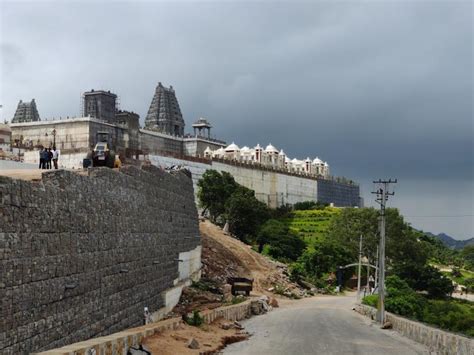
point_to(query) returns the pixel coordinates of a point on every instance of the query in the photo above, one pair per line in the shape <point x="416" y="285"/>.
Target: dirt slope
<point x="225" y="256"/>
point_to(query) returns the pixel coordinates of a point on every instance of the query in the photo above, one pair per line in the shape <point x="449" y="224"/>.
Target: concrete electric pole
<point x="360" y="267"/>
<point x="382" y="193"/>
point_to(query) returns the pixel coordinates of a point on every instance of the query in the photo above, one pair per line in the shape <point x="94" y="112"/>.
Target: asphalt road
<point x="320" y="325"/>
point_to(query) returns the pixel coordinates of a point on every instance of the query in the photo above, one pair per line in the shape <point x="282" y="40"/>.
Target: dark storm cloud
<point x="375" y="88"/>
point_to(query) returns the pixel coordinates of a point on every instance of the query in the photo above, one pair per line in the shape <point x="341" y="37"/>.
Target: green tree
<point x="347" y="227"/>
<point x="467" y="253"/>
<point x="214" y="189"/>
<point x="402" y="299"/>
<point x="282" y="243"/>
<point x="324" y="257"/>
<point x="245" y="214"/>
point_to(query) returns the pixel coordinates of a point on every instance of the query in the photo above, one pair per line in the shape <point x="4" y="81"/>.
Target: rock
<point x="259" y="306"/>
<point x="141" y="350"/>
<point x="226" y="326"/>
<point x="387" y="325"/>
<point x="227" y="291"/>
<point x="271" y="289"/>
<point x="226" y="228"/>
<point x="274" y="302"/>
<point x="193" y="344"/>
<point x="238" y="325"/>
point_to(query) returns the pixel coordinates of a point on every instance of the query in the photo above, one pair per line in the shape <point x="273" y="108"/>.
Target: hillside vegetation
<point x="310" y="225"/>
<point x="315" y="240"/>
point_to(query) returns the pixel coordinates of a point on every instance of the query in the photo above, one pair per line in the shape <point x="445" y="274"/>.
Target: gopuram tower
<point x="26" y="112"/>
<point x="164" y="114"/>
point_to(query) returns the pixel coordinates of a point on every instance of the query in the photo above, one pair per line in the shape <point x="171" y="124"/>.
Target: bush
<point x="196" y="320"/>
<point x="453" y="315"/>
<point x="456" y="272"/>
<point x="402" y="299"/>
<point x="277" y="241"/>
<point x="238" y="299"/>
<point x="370" y="300"/>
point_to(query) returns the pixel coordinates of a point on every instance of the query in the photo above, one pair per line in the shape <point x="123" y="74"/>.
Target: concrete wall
<point x="275" y="189"/>
<point x="81" y="256"/>
<point x="196" y="168"/>
<point x="270" y="187"/>
<point x="437" y="340"/>
<point x="70" y="134"/>
<point x="154" y="142"/>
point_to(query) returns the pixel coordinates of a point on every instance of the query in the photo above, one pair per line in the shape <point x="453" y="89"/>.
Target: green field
<point x="310" y="225"/>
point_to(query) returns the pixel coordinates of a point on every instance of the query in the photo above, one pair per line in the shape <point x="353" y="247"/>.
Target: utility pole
<point x="382" y="193"/>
<point x="376" y="281"/>
<point x="360" y="266"/>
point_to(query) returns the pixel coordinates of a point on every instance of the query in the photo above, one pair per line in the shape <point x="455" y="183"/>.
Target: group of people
<point x="48" y="155"/>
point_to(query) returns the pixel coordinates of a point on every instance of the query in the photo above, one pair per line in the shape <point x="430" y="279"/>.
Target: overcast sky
<point x="378" y="89"/>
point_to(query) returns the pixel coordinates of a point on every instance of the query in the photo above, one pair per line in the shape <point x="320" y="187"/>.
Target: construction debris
<point x="193" y="344"/>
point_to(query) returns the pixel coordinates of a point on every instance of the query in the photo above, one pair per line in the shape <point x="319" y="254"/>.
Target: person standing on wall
<point x="45" y="156"/>
<point x="49" y="157"/>
<point x="55" y="157"/>
<point x="41" y="158"/>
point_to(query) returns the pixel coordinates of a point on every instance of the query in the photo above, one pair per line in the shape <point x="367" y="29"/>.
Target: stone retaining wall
<point x="81" y="256"/>
<point x="119" y="343"/>
<point x="437" y="340"/>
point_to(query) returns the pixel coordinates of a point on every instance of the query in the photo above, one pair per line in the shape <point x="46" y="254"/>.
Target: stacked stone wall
<point x="81" y="256"/>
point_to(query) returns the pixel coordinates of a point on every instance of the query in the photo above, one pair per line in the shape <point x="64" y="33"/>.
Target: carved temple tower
<point x="164" y="114"/>
<point x="26" y="112"/>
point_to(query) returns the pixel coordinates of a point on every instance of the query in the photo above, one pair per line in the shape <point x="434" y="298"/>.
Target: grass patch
<point x="310" y="225"/>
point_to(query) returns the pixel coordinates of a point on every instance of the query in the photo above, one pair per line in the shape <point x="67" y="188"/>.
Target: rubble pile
<point x="193" y="298"/>
<point x="218" y="263"/>
<point x="279" y="282"/>
<point x="224" y="256"/>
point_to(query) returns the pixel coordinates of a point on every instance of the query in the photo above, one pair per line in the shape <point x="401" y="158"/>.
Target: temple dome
<point x="271" y="149"/>
<point x="232" y="148"/>
<point x="282" y="153"/>
<point x="317" y="161"/>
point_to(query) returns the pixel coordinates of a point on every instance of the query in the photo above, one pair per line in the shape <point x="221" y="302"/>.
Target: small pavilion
<point x="200" y="125"/>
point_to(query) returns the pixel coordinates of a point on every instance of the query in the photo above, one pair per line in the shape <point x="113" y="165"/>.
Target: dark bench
<point x="240" y="284"/>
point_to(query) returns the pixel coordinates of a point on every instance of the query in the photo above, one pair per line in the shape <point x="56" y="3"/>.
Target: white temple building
<point x="269" y="157"/>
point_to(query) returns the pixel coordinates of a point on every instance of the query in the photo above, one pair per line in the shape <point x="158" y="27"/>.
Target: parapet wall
<point x="81" y="256"/>
<point x="438" y="341"/>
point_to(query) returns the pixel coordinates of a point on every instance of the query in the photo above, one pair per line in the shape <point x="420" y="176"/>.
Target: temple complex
<point x="26" y="112"/>
<point x="276" y="178"/>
